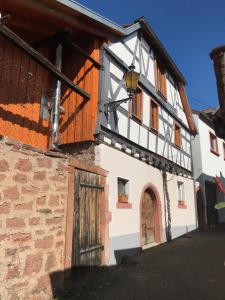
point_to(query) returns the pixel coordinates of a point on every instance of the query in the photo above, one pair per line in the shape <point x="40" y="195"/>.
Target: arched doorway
<point x="150" y="216"/>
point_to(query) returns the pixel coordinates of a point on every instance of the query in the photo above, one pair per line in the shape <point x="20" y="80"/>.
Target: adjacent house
<point x="85" y="181"/>
<point x="209" y="169"/>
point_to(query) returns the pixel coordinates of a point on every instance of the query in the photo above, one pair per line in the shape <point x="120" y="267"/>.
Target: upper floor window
<point x="136" y="105"/>
<point x="161" y="79"/>
<point x="154" y="117"/>
<point x="213" y="143"/>
<point x="177" y="135"/>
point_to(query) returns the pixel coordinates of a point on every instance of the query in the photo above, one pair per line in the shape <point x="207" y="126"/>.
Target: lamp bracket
<point x="111" y="106"/>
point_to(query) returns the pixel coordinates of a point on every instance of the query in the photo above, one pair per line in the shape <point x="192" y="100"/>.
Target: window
<point x="181" y="196"/>
<point x="136" y="108"/>
<point x="177" y="135"/>
<point x="123" y="191"/>
<point x="213" y="143"/>
<point x="161" y="79"/>
<point x="154" y="117"/>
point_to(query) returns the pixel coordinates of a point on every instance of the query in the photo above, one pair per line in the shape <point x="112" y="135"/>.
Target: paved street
<point x="190" y="267"/>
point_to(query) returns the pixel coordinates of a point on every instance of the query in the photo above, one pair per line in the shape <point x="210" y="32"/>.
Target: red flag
<point x="219" y="184"/>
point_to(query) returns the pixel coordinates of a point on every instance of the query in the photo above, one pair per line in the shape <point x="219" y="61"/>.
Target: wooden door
<point x="87" y="246"/>
<point x="211" y="200"/>
<point x="148" y="220"/>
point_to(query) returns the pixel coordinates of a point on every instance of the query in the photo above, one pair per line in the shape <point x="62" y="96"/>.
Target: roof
<point x="119" y="30"/>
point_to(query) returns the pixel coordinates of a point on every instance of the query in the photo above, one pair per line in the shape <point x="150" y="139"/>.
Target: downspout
<point x="55" y="128"/>
<point x="167" y="206"/>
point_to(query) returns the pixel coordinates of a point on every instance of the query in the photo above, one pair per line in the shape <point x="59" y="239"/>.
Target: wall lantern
<point x="131" y="79"/>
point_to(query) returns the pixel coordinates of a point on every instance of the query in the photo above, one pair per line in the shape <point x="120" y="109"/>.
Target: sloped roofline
<point x="140" y="23"/>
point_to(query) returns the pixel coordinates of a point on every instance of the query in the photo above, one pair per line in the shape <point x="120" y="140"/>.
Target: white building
<point x="145" y="145"/>
<point x="208" y="162"/>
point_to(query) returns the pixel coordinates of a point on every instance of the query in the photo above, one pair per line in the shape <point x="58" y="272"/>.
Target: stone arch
<point x="153" y="191"/>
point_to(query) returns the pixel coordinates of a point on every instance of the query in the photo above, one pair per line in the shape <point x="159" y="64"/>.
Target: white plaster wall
<point x="125" y="225"/>
<point x="212" y="164"/>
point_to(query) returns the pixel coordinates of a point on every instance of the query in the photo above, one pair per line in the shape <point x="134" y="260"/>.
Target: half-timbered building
<point x="100" y="180"/>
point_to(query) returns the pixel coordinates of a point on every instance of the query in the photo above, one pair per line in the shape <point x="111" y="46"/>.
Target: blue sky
<point x="188" y="29"/>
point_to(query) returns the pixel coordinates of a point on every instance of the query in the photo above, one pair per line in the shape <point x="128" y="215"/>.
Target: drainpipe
<point x="55" y="128"/>
<point x="167" y="206"/>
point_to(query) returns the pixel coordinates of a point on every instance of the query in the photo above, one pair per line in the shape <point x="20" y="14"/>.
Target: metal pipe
<point x="55" y="128"/>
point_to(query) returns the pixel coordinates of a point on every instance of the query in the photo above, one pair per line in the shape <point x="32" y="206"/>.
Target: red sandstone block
<point x="21" y="178"/>
<point x="32" y="190"/>
<point x="62" y="167"/>
<point x="23" y="165"/>
<point x="2" y="177"/>
<point x="59" y="211"/>
<point x="59" y="178"/>
<point x="41" y="200"/>
<point x="33" y="264"/>
<point x="44" y="162"/>
<point x="15" y="223"/>
<point x="46" y="242"/>
<point x="59" y="244"/>
<point x="21" y="237"/>
<point x="3" y="237"/>
<point x="53" y="200"/>
<point x="24" y="206"/>
<point x="39" y="232"/>
<point x="34" y="221"/>
<point x="44" y="281"/>
<point x="4" y="166"/>
<point x="5" y="208"/>
<point x="13" y="272"/>
<point x="11" y="193"/>
<point x="54" y="220"/>
<point x="40" y="175"/>
<point x="50" y="262"/>
<point x="45" y="188"/>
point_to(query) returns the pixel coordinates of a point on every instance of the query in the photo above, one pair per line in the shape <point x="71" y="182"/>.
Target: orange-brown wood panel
<point x="79" y="122"/>
<point x="22" y="82"/>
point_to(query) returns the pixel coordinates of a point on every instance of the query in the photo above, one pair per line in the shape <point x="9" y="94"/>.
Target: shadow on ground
<point x="188" y="268"/>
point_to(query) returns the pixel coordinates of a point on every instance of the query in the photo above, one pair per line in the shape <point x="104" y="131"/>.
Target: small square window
<point x="213" y="143"/>
<point x="122" y="190"/>
<point x="177" y="135"/>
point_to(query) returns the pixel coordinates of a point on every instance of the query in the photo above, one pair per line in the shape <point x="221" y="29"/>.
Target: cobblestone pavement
<point x="190" y="267"/>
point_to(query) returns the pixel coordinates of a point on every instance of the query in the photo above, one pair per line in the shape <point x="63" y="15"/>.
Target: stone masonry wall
<point x="33" y="194"/>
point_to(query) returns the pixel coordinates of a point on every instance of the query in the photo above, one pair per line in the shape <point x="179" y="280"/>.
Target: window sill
<point x="162" y="96"/>
<point x="181" y="204"/>
<point x="137" y="119"/>
<point x="155" y="131"/>
<point x="124" y="205"/>
<point x="214" y="152"/>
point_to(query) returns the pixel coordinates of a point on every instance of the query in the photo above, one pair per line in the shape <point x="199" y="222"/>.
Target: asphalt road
<point x="189" y="268"/>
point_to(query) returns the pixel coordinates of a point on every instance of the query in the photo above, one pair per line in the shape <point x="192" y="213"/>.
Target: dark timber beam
<point x="42" y="60"/>
<point x="65" y="37"/>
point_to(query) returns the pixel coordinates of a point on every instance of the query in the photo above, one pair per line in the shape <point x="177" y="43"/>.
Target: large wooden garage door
<point x="87" y="245"/>
<point x="148" y="221"/>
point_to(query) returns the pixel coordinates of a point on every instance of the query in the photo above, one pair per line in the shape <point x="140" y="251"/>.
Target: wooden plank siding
<point x="78" y="123"/>
<point x="23" y="81"/>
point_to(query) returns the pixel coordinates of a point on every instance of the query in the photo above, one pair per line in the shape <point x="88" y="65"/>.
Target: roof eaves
<point x="93" y="15"/>
<point x="152" y="34"/>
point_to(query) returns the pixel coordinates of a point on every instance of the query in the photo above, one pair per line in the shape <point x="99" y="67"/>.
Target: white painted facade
<point x="206" y="164"/>
<point x="128" y="143"/>
<point x="124" y="230"/>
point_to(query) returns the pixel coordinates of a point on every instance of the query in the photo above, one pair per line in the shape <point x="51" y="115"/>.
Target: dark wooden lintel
<point x="41" y="60"/>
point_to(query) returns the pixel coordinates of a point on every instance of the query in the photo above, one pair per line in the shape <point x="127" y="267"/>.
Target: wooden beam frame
<point x="41" y="60"/>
